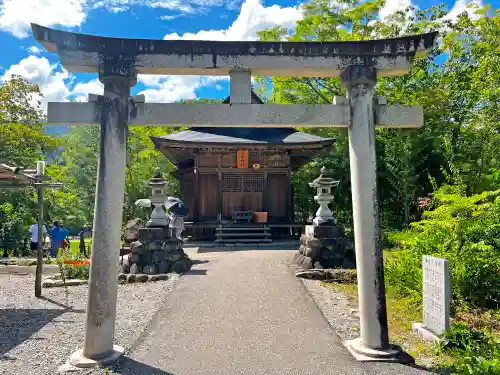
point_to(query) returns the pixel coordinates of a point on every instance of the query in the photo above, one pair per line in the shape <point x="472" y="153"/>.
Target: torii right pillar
<point x="373" y="345"/>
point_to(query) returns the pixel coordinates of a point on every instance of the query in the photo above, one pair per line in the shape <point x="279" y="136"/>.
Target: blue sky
<point x="169" y="19"/>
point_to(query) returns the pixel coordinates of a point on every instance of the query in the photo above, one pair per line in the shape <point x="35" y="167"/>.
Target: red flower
<point x="423" y="202"/>
<point x="79" y="262"/>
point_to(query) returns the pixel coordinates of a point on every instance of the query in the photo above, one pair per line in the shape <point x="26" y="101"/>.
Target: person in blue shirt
<point x="58" y="236"/>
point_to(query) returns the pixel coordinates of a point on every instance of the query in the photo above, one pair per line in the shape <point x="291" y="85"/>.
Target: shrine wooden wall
<point x="228" y="180"/>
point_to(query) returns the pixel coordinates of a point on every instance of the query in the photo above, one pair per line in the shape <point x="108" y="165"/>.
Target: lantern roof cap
<point x="157" y="179"/>
<point x="323" y="181"/>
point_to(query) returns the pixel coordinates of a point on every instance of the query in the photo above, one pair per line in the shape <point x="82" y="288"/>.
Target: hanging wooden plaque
<point x="242" y="157"/>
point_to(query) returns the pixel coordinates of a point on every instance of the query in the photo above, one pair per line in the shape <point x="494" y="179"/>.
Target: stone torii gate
<point x="118" y="61"/>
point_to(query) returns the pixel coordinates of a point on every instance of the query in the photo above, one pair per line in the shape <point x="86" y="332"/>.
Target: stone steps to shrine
<point x="244" y="240"/>
<point x="243" y="234"/>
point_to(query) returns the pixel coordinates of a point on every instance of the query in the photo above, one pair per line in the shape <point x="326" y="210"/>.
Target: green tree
<point x="456" y="83"/>
<point x="22" y="143"/>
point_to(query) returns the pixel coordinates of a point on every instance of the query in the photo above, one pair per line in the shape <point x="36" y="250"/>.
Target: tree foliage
<point x="457" y="83"/>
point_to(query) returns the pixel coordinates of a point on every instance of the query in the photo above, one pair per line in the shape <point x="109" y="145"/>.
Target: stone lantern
<point x="324" y="245"/>
<point x="324" y="196"/>
<point x="158" y="218"/>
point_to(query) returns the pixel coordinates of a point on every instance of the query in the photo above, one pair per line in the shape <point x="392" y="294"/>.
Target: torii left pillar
<point x="98" y="346"/>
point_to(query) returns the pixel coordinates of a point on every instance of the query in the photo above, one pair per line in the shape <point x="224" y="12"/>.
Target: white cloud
<point x="393" y="6"/>
<point x="38" y="70"/>
<point x="34" y="50"/>
<point x="170" y="17"/>
<point x="253" y="17"/>
<point x="91" y="87"/>
<point x="55" y="83"/>
<point x="462" y="6"/>
<point x="181" y="6"/>
<point x="169" y="89"/>
<point x="16" y="15"/>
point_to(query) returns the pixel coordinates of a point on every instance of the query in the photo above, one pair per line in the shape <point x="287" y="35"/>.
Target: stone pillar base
<point x="364" y="354"/>
<point x="77" y="361"/>
<point x="425" y="333"/>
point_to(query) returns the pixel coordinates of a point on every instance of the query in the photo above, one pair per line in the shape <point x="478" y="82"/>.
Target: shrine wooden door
<point x="241" y="192"/>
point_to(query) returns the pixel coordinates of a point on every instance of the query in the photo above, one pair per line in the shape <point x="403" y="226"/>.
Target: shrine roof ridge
<point x="85" y="53"/>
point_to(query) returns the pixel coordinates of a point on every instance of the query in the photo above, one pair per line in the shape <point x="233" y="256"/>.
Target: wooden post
<point x="219" y="196"/>
<point x="196" y="208"/>
<point x="289" y="196"/>
<point x="40" y="171"/>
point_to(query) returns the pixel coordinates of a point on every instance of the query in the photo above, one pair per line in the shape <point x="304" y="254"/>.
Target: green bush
<point x="478" y="352"/>
<point x="464" y="230"/>
<point x="76" y="272"/>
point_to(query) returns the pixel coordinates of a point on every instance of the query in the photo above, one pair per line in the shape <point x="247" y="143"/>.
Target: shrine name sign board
<point x="242" y="157"/>
<point x="436" y="298"/>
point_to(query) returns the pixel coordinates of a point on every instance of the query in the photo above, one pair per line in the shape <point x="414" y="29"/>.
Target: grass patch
<point x="471" y="357"/>
<point x="401" y="313"/>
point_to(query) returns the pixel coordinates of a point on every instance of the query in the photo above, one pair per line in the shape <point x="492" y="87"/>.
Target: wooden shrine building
<point x="224" y="172"/>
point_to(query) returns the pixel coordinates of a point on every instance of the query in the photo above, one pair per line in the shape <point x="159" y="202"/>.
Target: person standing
<point x="58" y="235"/>
<point x="83" y="249"/>
<point x="34" y="235"/>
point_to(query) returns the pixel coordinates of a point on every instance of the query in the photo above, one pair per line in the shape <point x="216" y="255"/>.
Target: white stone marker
<point x="436" y="298"/>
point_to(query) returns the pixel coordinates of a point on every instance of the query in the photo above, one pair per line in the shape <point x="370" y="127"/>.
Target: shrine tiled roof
<point x="271" y="136"/>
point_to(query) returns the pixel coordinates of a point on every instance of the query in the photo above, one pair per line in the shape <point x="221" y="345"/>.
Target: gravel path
<point x="38" y="335"/>
<point x="340" y="311"/>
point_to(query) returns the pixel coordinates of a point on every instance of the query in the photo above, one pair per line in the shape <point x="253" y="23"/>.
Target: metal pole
<point x="40" y="171"/>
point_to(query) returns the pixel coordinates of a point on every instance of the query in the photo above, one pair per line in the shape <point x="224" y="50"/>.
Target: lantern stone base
<point x="154" y="253"/>
<point x="325" y="246"/>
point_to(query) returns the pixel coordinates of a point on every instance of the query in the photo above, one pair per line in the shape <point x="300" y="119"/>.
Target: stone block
<point x="307" y="263"/>
<point x="182" y="265"/>
<point x="154" y="245"/>
<point x="134" y="258"/>
<point x="158" y="256"/>
<point x="153" y="277"/>
<point x="173" y="256"/>
<point x="152" y="234"/>
<point x="131" y="278"/>
<point x="122" y="278"/>
<point x="125" y="268"/>
<point x="131" y="232"/>
<point x="136" y="247"/>
<point x="163" y="267"/>
<point x="134" y="269"/>
<point x="149" y="269"/>
<point x="325" y="231"/>
<point x="436" y="294"/>
<point x="303" y="239"/>
<point x="313" y="243"/>
<point x="163" y="277"/>
<point x="296" y="258"/>
<point x="141" y="278"/>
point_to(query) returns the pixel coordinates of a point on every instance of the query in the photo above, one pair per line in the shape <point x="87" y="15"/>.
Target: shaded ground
<point x="38" y="335"/>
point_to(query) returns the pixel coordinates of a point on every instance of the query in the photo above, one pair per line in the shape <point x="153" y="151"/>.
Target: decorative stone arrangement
<point x="324" y="245"/>
<point x="152" y="256"/>
<point x="153" y="251"/>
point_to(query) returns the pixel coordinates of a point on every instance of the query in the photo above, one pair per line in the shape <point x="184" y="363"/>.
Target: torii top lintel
<point x="87" y="53"/>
